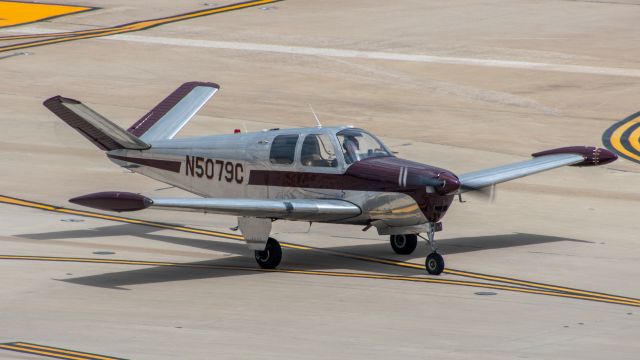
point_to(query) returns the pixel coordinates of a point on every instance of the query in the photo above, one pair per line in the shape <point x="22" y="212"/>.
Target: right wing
<point x="542" y="161"/>
<point x="291" y="209"/>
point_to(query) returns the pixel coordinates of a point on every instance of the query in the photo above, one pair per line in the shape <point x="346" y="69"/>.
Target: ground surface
<point x="575" y="227"/>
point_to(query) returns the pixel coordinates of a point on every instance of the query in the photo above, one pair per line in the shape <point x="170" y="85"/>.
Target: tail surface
<point x="162" y="122"/>
<point x="96" y="128"/>
<point x="168" y="117"/>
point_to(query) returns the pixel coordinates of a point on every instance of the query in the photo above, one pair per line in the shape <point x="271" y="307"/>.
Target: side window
<point x="283" y="149"/>
<point x="317" y="150"/>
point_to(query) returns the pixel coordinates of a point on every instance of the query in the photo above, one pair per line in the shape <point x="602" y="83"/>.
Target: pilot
<point x="351" y="147"/>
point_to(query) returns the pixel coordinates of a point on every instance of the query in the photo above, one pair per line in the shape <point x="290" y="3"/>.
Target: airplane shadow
<point x="292" y="258"/>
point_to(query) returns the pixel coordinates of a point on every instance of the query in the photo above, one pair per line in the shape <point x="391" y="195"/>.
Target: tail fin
<point x="168" y="117"/>
<point x="99" y="130"/>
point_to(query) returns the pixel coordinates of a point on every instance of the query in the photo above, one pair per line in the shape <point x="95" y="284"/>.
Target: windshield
<point x="358" y="145"/>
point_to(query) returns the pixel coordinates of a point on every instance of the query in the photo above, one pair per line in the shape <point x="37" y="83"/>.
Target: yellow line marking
<point x="319" y="273"/>
<point x="46" y="353"/>
<point x="86" y="355"/>
<point x="480" y="276"/>
<point x="634" y="139"/>
<point x="13" y="201"/>
<point x="461" y="273"/>
<point x="137" y="26"/>
<point x="16" y="13"/>
<point x="617" y="135"/>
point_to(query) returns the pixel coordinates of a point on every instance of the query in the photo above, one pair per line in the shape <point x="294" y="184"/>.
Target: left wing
<point x="292" y="209"/>
<point x="542" y="161"/>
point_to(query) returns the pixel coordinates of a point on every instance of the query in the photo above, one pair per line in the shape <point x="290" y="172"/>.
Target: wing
<point x="542" y="161"/>
<point x="293" y="209"/>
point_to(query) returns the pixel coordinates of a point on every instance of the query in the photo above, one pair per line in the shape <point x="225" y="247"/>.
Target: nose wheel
<point x="434" y="262"/>
<point x="270" y="257"/>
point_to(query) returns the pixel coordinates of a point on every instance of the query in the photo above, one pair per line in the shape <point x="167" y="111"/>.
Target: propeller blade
<point x="487" y="193"/>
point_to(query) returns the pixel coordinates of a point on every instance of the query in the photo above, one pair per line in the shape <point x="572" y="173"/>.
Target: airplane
<point x="338" y="174"/>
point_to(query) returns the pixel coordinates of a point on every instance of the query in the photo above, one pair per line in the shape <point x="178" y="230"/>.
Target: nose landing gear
<point x="434" y="262"/>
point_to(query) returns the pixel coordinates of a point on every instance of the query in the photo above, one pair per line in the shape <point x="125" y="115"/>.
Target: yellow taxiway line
<point x="55" y="352"/>
<point x="125" y="28"/>
<point x="319" y="273"/>
<point x="623" y="138"/>
<point x="546" y="288"/>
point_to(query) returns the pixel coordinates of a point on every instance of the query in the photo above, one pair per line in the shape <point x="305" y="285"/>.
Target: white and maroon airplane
<point x="322" y="174"/>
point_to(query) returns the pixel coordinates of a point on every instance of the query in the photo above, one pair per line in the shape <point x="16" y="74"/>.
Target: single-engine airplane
<point x="338" y="174"/>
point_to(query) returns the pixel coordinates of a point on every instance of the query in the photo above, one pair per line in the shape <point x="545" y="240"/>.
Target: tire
<point x="434" y="264"/>
<point x="404" y="244"/>
<point x="270" y="257"/>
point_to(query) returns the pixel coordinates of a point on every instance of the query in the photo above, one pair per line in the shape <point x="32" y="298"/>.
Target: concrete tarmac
<point x="457" y="85"/>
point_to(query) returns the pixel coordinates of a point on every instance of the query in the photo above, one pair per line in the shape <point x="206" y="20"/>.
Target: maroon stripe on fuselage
<point x="318" y="181"/>
<point x="169" y="165"/>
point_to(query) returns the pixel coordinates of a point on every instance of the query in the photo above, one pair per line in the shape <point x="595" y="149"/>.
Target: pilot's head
<point x="351" y="139"/>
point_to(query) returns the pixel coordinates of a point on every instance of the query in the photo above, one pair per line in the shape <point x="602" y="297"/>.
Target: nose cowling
<point x="451" y="183"/>
<point x="394" y="173"/>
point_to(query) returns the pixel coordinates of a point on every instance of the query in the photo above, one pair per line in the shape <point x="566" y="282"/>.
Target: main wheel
<point x="434" y="264"/>
<point x="404" y="244"/>
<point x="270" y="257"/>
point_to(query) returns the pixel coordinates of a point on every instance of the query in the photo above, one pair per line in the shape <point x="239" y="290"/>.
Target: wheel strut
<point x="434" y="262"/>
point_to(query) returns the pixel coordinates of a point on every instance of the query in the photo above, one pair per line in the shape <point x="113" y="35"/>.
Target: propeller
<point x="487" y="193"/>
<point x="431" y="181"/>
<point x="443" y="183"/>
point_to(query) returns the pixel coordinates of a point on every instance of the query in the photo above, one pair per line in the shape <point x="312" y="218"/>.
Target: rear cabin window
<point x="283" y="149"/>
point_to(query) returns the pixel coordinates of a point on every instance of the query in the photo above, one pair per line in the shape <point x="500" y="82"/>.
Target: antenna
<point x="315" y="116"/>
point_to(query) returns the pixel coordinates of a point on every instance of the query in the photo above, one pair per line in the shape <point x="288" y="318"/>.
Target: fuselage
<point x="306" y="163"/>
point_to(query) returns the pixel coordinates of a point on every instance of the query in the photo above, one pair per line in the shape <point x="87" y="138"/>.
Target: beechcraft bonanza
<point x="340" y="175"/>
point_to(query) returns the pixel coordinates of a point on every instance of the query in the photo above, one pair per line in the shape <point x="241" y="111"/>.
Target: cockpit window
<point x="358" y="145"/>
<point x="283" y="149"/>
<point x="317" y="150"/>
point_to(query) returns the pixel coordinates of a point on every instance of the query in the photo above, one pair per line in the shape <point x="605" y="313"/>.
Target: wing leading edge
<point x="542" y="161"/>
<point x="293" y="209"/>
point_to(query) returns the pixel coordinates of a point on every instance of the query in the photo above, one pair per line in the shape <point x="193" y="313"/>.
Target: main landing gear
<point x="404" y="244"/>
<point x="270" y="257"/>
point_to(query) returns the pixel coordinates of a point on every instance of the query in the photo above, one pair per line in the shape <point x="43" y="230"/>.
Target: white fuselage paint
<point x="251" y="152"/>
